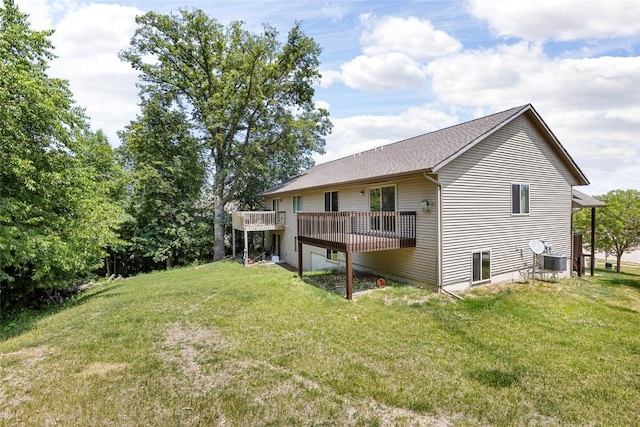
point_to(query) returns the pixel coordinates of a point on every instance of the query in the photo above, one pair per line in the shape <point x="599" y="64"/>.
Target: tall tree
<point x="169" y="223"/>
<point x="250" y="97"/>
<point x="618" y="224"/>
<point x="56" y="216"/>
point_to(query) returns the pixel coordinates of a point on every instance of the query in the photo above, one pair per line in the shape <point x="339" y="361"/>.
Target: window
<point x="383" y="199"/>
<point x="332" y="255"/>
<point x="481" y="266"/>
<point x="275" y="203"/>
<point x="331" y="201"/>
<point x="295" y="243"/>
<point x="519" y="198"/>
<point x="297" y="203"/>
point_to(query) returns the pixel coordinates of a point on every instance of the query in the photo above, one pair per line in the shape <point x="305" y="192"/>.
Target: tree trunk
<point x="218" y="229"/>
<point x="618" y="258"/>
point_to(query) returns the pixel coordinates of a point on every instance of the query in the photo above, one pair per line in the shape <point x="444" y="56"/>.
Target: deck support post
<point x="299" y="259"/>
<point x="233" y="241"/>
<point x="349" y="276"/>
<point x="246" y="248"/>
<point x="593" y="241"/>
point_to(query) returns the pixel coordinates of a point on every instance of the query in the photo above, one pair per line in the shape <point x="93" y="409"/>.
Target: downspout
<point x="439" y="228"/>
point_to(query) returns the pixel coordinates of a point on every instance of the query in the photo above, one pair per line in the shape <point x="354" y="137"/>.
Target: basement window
<point x="481" y="266"/>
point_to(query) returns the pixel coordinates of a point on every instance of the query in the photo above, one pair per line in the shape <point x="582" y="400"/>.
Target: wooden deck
<point x="258" y="221"/>
<point x="358" y="231"/>
<point x="353" y="232"/>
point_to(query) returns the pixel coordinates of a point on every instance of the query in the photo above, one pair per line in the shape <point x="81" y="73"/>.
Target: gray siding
<point x="477" y="202"/>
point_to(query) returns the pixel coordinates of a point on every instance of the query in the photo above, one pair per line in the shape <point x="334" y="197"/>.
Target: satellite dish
<point x="537" y="246"/>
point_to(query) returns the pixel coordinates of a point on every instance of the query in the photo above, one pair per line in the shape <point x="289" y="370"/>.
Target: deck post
<point x="593" y="241"/>
<point x="349" y="276"/>
<point x="299" y="259"/>
<point x="246" y="248"/>
<point x="233" y="241"/>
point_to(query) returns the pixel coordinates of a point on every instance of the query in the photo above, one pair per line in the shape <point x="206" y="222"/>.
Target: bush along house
<point x="453" y="208"/>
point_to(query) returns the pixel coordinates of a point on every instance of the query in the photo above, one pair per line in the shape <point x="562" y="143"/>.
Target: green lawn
<point x="224" y="344"/>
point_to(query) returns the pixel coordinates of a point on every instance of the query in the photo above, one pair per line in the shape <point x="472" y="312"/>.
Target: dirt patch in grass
<point x="16" y="372"/>
<point x="102" y="369"/>
<point x="188" y="347"/>
<point x="207" y="363"/>
<point x="30" y="355"/>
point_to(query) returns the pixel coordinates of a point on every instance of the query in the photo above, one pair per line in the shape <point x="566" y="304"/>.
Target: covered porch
<point x="581" y="200"/>
<point x="247" y="221"/>
<point x="355" y="232"/>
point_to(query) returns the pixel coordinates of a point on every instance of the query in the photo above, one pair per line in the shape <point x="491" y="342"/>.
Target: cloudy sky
<point x="396" y="69"/>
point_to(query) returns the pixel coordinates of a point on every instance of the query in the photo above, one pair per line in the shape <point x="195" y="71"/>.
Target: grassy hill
<point x="222" y="344"/>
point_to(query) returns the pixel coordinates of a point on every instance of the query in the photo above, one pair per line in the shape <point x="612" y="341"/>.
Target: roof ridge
<point x="428" y="151"/>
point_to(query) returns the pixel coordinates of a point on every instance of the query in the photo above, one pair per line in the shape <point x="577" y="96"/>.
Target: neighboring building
<point x="452" y="208"/>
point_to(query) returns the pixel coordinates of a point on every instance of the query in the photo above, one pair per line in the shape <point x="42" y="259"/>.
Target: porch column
<point x="233" y="240"/>
<point x="349" y="276"/>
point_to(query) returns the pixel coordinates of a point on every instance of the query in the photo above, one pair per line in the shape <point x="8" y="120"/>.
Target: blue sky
<point x="396" y="69"/>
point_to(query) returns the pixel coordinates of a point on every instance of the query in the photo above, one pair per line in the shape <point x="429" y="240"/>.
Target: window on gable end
<point x="519" y="198"/>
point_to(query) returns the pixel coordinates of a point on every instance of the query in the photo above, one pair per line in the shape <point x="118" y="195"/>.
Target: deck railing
<point x="257" y="221"/>
<point x="358" y="231"/>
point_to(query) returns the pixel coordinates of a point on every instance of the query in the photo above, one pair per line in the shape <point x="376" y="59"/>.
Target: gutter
<point x="439" y="228"/>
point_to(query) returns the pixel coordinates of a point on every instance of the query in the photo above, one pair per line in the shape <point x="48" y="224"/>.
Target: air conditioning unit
<point x="552" y="262"/>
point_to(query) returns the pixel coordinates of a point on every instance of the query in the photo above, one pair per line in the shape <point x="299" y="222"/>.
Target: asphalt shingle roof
<point x="582" y="200"/>
<point x="420" y="153"/>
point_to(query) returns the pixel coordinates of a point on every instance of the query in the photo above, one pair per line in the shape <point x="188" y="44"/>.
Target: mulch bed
<point x="337" y="281"/>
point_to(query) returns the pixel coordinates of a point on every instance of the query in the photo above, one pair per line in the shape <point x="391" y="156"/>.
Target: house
<point x="452" y="208"/>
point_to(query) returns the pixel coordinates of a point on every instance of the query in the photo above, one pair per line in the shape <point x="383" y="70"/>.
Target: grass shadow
<point x="495" y="377"/>
<point x="629" y="280"/>
<point x="22" y="322"/>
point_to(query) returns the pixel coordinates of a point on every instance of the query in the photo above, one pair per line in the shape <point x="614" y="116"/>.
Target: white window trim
<point x="528" y="196"/>
<point x="337" y="260"/>
<point x="481" y="251"/>
<point x="332" y="191"/>
<point x="395" y="205"/>
<point x="395" y="193"/>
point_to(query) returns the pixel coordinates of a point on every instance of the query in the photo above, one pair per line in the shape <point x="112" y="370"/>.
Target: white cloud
<point x="386" y="71"/>
<point x="322" y="104"/>
<point x="87" y="42"/>
<point x="328" y="77"/>
<point x="39" y="13"/>
<point x="591" y="104"/>
<point x="559" y="20"/>
<point x="411" y="36"/>
<point x="394" y="51"/>
<point x="522" y="73"/>
<point x="355" y="134"/>
<point x="336" y="11"/>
